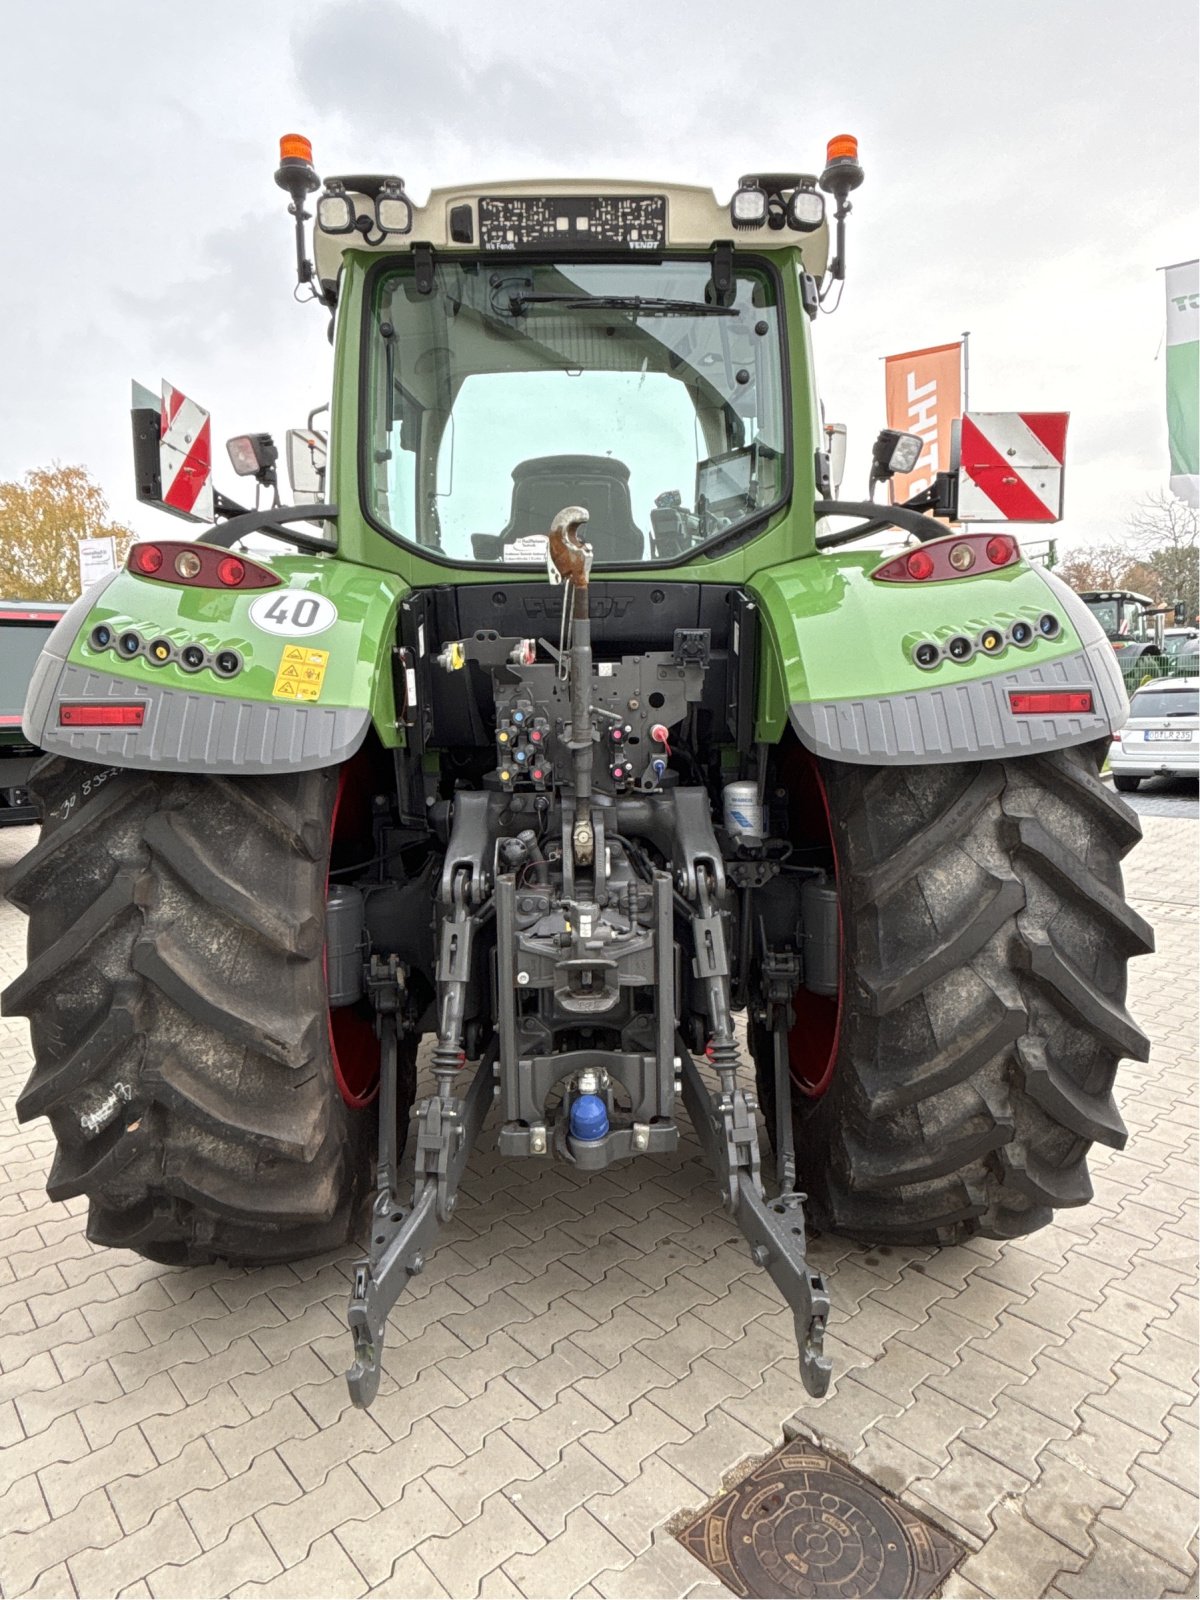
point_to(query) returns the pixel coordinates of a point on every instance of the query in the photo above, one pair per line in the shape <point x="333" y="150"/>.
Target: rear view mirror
<point x="306" y="466"/>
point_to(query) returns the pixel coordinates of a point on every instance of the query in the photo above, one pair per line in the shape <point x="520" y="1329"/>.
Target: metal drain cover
<point x="805" y="1524"/>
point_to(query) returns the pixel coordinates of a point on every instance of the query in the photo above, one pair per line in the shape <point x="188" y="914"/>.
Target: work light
<point x="393" y="209"/>
<point x="748" y="208"/>
<point x="335" y="210"/>
<point x="806" y="210"/>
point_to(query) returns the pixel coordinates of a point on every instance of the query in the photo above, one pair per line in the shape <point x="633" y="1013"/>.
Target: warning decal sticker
<point x="301" y="673"/>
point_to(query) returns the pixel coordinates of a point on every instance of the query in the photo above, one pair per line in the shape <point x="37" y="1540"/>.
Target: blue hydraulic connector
<point x="589" y="1117"/>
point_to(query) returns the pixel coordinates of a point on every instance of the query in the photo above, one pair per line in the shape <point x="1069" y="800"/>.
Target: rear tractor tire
<point x="985" y="939"/>
<point x="178" y="1011"/>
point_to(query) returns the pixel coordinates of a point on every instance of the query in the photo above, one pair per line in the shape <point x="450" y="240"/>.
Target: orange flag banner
<point x="924" y="396"/>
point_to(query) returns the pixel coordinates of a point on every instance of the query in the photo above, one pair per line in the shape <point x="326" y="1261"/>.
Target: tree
<point x="1097" y="566"/>
<point x="1166" y="539"/>
<point x="42" y="520"/>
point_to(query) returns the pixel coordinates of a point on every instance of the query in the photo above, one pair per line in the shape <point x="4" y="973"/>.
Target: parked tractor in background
<point x="1136" y="628"/>
<point x="573" y="721"/>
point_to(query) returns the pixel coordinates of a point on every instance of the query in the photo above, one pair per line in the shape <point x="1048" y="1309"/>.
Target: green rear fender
<point x="838" y="663"/>
<point x="301" y="697"/>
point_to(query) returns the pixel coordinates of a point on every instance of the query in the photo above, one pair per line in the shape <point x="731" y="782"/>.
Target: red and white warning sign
<point x="1011" y="466"/>
<point x="185" y="456"/>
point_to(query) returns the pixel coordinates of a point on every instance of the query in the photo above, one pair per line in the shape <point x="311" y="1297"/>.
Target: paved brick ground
<point x="582" y="1362"/>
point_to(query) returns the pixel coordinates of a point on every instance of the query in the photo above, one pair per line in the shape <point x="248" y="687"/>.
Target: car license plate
<point x="1180" y="735"/>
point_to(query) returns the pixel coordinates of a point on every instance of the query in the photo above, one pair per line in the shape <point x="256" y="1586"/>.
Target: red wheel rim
<point x="352" y="1040"/>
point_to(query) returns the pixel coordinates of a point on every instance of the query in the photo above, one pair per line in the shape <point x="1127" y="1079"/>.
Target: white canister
<point x="745" y="814"/>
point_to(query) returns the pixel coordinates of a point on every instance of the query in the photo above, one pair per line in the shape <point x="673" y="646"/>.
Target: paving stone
<point x="633" y="1511"/>
<point x="1066" y="1500"/>
<point x="214" y="1511"/>
<point x="636" y="1376"/>
<point x="411" y="1579"/>
<point x="545" y="1435"/>
<point x="539" y="1334"/>
<point x="311" y="1459"/>
<point x="967" y="1490"/>
<point x="23" y="1507"/>
<point x="104" y="1419"/>
<point x="63" y="1440"/>
<point x="708" y="1457"/>
<point x="469" y="1425"/>
<point x="326" y="1570"/>
<point x="1158" y="1515"/>
<point x="169" y="1433"/>
<point x="499" y="1464"/>
<point x="245" y="1556"/>
<point x="1178" y="1459"/>
<point x="397" y="1409"/>
<point x="472" y="1370"/>
<point x="166" y="1537"/>
<point x="552" y="1494"/>
<point x="1015" y="1435"/>
<point x="1018" y="1558"/>
<point x="1116" y="1569"/>
<point x="375" y="1543"/>
<point x="663" y="1572"/>
<point x="587" y="1547"/>
<point x="460" y="1560"/>
<point x="1137" y="1398"/>
<point x="138" y="1496"/>
<point x="387" y="1473"/>
<point x="38" y="1408"/>
<point x="25" y="1556"/>
<point x="237" y="1444"/>
<point x="294" y="1528"/>
<point x="887" y="1462"/>
<point x="607" y="1342"/>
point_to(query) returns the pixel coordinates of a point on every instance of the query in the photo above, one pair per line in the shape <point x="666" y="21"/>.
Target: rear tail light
<point x="146" y="559"/>
<point x="958" y="555"/>
<point x="200" y="566"/>
<point x="1049" y="702"/>
<point x="919" y="565"/>
<point x="1000" y="549"/>
<point x="102" y="716"/>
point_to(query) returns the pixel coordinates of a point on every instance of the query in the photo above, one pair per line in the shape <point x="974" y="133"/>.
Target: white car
<point x="1162" y="736"/>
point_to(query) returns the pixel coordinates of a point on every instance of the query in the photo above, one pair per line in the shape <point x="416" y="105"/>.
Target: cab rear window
<point x="1165" y="703"/>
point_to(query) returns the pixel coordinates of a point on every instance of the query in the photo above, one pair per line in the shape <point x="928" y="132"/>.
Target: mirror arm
<point x="271" y="523"/>
<point x="878" y="517"/>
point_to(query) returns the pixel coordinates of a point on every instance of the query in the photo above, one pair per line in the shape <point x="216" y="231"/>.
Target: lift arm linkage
<point x="774" y="1228"/>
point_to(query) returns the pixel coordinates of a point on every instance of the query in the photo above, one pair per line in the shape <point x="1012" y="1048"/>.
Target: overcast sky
<point x="1030" y="163"/>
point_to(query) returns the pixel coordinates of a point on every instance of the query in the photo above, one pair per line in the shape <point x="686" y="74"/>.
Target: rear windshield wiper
<point x="518" y="299"/>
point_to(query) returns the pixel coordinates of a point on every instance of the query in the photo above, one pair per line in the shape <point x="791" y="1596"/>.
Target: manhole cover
<point x="805" y="1524"/>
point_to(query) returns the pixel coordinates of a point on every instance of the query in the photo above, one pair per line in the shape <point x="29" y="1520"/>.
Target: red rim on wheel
<point x="352" y="1040"/>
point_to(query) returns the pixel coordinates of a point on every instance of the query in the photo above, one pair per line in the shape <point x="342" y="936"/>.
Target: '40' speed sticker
<point x="296" y="612"/>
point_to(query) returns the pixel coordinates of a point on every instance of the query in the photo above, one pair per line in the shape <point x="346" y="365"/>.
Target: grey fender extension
<point x="186" y="730"/>
<point x="968" y="720"/>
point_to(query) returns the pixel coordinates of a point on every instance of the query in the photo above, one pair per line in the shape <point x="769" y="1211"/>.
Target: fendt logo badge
<point x="535" y="607"/>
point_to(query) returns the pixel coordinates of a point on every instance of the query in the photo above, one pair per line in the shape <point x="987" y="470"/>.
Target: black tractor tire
<point x="985" y="939"/>
<point x="1125" y="784"/>
<point x="178" y="1011"/>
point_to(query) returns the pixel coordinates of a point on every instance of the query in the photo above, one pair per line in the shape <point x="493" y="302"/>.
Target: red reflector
<point x="101" y="716"/>
<point x="919" y="564"/>
<point x="1046" y="702"/>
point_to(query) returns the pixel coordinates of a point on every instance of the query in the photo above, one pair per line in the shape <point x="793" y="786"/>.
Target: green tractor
<point x="571" y="720"/>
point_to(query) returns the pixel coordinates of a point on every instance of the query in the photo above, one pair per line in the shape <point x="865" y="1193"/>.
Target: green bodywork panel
<point x="359" y="642"/>
<point x="834" y="633"/>
<point x="829" y="632"/>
